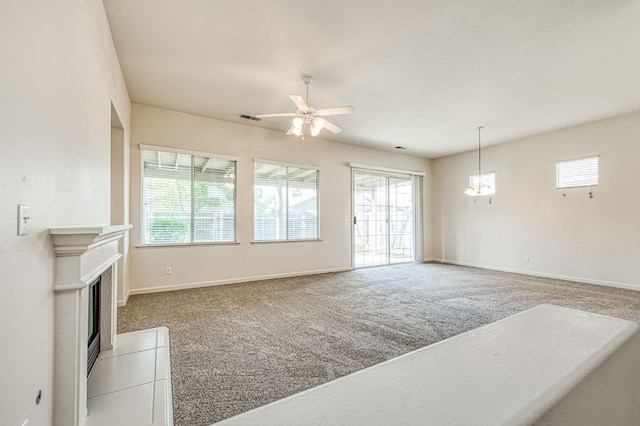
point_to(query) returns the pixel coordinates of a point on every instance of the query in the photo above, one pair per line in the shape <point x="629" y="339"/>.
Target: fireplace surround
<point x="93" y="330"/>
<point x="83" y="255"/>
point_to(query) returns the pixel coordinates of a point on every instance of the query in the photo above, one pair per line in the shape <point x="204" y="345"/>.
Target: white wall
<point x="58" y="78"/>
<point x="592" y="240"/>
<point x="231" y="263"/>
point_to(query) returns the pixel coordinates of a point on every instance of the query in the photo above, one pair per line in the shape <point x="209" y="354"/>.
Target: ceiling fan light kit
<point x="308" y="118"/>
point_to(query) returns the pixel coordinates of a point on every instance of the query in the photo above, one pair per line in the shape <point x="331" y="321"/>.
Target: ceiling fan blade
<point x="300" y="103"/>
<point x="281" y="114"/>
<point x="332" y="127"/>
<point x="290" y="131"/>
<point x="335" y="111"/>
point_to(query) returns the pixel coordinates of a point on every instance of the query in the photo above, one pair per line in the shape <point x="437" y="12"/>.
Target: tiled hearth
<point x="130" y="385"/>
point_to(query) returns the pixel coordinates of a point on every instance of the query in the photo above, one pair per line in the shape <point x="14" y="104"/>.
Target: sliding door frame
<point x="417" y="204"/>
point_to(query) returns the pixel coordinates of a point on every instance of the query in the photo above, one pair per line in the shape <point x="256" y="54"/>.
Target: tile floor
<point x="131" y="383"/>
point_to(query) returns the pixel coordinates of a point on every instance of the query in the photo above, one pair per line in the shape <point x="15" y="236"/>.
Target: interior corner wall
<point x="120" y="205"/>
<point x="593" y="240"/>
<point x="216" y="264"/>
<point x="58" y="79"/>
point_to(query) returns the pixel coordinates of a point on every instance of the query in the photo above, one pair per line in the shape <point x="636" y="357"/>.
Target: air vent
<point x="250" y="117"/>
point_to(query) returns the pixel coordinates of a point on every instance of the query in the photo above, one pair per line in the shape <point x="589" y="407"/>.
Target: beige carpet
<point x="236" y="347"/>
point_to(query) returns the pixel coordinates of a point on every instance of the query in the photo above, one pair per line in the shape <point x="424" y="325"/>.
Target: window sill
<point x="221" y="243"/>
<point x="285" y="241"/>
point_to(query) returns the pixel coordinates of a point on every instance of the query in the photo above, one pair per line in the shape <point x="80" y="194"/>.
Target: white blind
<point x="576" y="173"/>
<point x="187" y="198"/>
<point x="285" y="202"/>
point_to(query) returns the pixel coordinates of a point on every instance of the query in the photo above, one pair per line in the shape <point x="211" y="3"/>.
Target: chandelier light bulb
<point x="472" y="191"/>
<point x="298" y="122"/>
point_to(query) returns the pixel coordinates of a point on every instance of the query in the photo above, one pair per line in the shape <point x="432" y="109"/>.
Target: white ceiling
<point x="422" y="74"/>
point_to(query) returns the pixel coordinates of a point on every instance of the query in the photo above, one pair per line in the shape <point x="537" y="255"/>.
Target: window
<point x="285" y="202"/>
<point x="187" y="198"/>
<point x="576" y="173"/>
<point x="488" y="181"/>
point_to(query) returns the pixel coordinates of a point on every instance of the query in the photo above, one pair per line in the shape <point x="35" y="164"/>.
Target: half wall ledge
<point x="549" y="365"/>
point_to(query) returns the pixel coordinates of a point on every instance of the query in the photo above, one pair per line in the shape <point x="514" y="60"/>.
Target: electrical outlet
<point x="324" y="257"/>
<point x="167" y="270"/>
<point x="527" y="259"/>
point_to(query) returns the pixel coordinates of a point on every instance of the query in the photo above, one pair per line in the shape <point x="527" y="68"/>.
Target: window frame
<point x="144" y="147"/>
<point x="576" y="162"/>
<point x="317" y="196"/>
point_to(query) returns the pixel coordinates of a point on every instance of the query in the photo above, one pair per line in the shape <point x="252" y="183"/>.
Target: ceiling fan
<point x="306" y="116"/>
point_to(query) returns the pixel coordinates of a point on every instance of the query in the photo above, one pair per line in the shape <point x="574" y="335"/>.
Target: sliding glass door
<point x="383" y="218"/>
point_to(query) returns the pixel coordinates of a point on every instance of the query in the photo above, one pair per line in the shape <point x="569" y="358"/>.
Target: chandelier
<point x="478" y="188"/>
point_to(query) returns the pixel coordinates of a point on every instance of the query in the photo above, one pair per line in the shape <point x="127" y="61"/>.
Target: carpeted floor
<point x="236" y="347"/>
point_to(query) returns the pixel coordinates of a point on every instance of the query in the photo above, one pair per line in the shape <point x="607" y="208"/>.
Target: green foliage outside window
<point x="165" y="231"/>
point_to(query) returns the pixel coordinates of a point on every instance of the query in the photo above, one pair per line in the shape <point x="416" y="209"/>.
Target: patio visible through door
<point x="383" y="218"/>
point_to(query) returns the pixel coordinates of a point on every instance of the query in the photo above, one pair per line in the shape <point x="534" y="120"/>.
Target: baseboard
<point x="542" y="274"/>
<point x="185" y="286"/>
<point x="122" y="302"/>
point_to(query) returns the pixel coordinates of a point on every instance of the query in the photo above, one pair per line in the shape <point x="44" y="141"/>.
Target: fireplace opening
<point x="94" y="324"/>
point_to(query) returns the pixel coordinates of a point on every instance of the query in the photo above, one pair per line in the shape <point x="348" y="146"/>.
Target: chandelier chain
<point x="479" y="128"/>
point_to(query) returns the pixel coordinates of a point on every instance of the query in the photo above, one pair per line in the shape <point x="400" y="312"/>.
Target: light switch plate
<point x="24" y="220"/>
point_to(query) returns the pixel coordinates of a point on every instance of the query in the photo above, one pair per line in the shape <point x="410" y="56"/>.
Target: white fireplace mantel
<point x="73" y="240"/>
<point x="83" y="253"/>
